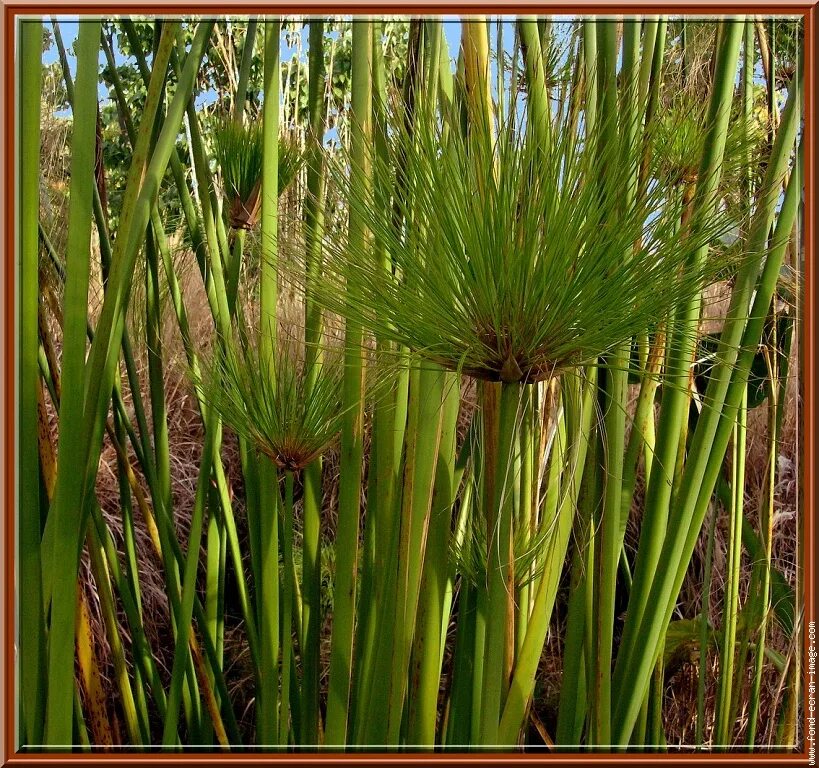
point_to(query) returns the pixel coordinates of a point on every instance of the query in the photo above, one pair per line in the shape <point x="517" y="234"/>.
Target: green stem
<point x="185" y="614"/>
<point x="705" y="627"/>
<point x="287" y="607"/>
<point x="479" y="662"/>
<point x="389" y="423"/>
<point x="734" y="356"/>
<point x="579" y="407"/>
<point x="68" y="504"/>
<point x="610" y="539"/>
<point x="571" y="712"/>
<point x="234" y="269"/>
<point x="422" y="445"/>
<point x="674" y="409"/>
<point x="766" y="528"/>
<point x="352" y="447"/>
<point x="268" y="682"/>
<point x="184" y="327"/>
<point x="311" y="602"/>
<point x="590" y="74"/>
<point x="214" y="613"/>
<point x="244" y="71"/>
<point x="616" y="384"/>
<point x="432" y="619"/>
<point x="724" y="726"/>
<point x="499" y="560"/>
<point x="268" y="622"/>
<point x="458" y="719"/>
<point x="32" y="659"/>
<point x="102" y="362"/>
<point x="136" y="723"/>
<point x="539" y="108"/>
<point x="311" y="550"/>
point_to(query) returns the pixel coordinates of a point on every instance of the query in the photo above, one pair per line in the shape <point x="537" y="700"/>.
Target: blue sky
<point x="69" y="27"/>
<point x="452" y="27"/>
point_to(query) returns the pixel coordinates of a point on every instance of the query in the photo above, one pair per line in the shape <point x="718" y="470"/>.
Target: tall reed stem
<point x="676" y="394"/>
<point x="32" y="659"/>
<point x="352" y="448"/>
<point x="500" y="585"/>
<point x="268" y="683"/>
<point x="68" y="507"/>
<point x="713" y="428"/>
<point x="311" y="554"/>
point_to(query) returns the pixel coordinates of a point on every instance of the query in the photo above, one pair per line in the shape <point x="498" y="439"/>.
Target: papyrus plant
<point x="522" y="257"/>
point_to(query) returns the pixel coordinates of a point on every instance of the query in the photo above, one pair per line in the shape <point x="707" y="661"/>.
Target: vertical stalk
<point x="422" y="445"/>
<point x="352" y="448"/>
<point x="539" y="107"/>
<point x="499" y="559"/>
<point x="655" y="736"/>
<point x="377" y="620"/>
<point x="266" y="694"/>
<point x="766" y="529"/>
<point x="32" y="658"/>
<point x="234" y="268"/>
<point x="571" y="712"/>
<point x="458" y="714"/>
<point x="501" y="68"/>
<point x="775" y="406"/>
<point x="382" y="477"/>
<point x="652" y="349"/>
<point x="770" y="72"/>
<point x="705" y="629"/>
<point x="578" y="404"/>
<point x="436" y="497"/>
<point x="728" y="698"/>
<point x="287" y="606"/>
<point x="156" y="379"/>
<point x="741" y="332"/>
<point x="185" y="613"/>
<point x="478" y="659"/>
<point x="311" y="552"/>
<point x="68" y="498"/>
<point x="674" y="409"/>
<point x="432" y="619"/>
<point x="213" y="592"/>
<point x="616" y="375"/>
<point x="590" y="74"/>
<point x="475" y="52"/>
<point x="103" y="357"/>
<point x="244" y="71"/>
<point x="647" y="60"/>
<point x="528" y="511"/>
<point x="731" y="609"/>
